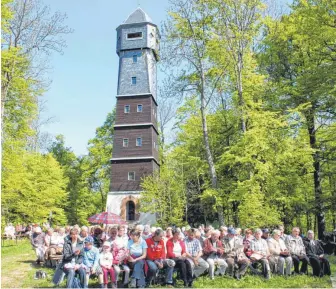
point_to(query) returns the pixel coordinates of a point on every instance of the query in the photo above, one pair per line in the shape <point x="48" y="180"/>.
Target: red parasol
<point x="106" y="218"/>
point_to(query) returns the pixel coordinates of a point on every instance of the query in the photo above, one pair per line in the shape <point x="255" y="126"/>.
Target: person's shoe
<point x="103" y="286"/>
<point x="114" y="285"/>
<point x="133" y="283"/>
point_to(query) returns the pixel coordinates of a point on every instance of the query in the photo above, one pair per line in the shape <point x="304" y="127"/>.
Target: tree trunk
<point x="240" y="91"/>
<point x="211" y="164"/>
<point x="319" y="206"/>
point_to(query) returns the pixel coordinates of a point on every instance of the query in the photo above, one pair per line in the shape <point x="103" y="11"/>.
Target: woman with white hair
<point x="279" y="254"/>
<point x="213" y="252"/>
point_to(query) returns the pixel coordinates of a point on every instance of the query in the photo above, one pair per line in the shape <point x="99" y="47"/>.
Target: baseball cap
<point x="231" y="231"/>
<point x="88" y="239"/>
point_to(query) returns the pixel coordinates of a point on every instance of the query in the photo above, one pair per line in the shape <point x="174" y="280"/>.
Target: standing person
<point x="194" y="252"/>
<point x="283" y="236"/>
<point x="106" y="262"/>
<point x="91" y="262"/>
<point x="213" y="252"/>
<point x="223" y="232"/>
<point x="122" y="234"/>
<point x="297" y="250"/>
<point x="156" y="258"/>
<point x="37" y="242"/>
<point x="112" y="235"/>
<point x="315" y="254"/>
<point x="137" y="247"/>
<point x="73" y="258"/>
<point x="279" y="254"/>
<point x="260" y="253"/>
<point x="147" y="232"/>
<point x="176" y="251"/>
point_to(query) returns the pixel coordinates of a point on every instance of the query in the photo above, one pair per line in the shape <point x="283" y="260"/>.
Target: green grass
<point x="18" y="269"/>
<point x="250" y="281"/>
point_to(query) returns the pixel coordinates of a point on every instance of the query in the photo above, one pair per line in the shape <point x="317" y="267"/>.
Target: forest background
<point x="251" y="92"/>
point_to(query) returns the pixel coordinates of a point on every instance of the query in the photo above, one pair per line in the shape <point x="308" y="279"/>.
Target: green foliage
<point x="32" y="187"/>
<point x="163" y="194"/>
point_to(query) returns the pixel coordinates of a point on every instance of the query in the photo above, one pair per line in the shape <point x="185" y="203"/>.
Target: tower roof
<point x="138" y="16"/>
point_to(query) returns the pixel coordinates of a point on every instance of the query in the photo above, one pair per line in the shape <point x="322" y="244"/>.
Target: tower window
<point x="135" y="58"/>
<point x="133" y="80"/>
<point x="131" y="176"/>
<point x="135" y="35"/>
<point x="125" y="142"/>
<point x="139" y="108"/>
<point x="139" y="142"/>
<point x="154" y="145"/>
<point x="127" y="109"/>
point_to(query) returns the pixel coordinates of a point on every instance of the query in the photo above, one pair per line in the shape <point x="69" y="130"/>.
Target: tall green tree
<point x="299" y="57"/>
<point x="96" y="165"/>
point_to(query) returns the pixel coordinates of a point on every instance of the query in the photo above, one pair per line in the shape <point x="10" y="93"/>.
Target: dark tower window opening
<point x="135" y="58"/>
<point x="135" y="35"/>
<point x="139" y="108"/>
<point x="130" y="211"/>
<point x="133" y="80"/>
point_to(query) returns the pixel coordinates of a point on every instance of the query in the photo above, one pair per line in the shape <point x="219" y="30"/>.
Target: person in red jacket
<point x="156" y="258"/>
<point x="176" y="250"/>
<point x="213" y="252"/>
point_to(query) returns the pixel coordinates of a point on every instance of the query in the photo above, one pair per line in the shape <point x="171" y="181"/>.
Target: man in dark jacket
<point x="315" y="254"/>
<point x="73" y="258"/>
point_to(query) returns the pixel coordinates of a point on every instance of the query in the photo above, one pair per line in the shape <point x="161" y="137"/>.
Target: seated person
<point x="315" y="254"/>
<point x="248" y="238"/>
<point x="51" y="242"/>
<point x="279" y="254"/>
<point x="91" y="262"/>
<point x="297" y="250"/>
<point x="234" y="254"/>
<point x="37" y="242"/>
<point x="73" y="258"/>
<point x="176" y="251"/>
<point x="260" y="253"/>
<point x="120" y="254"/>
<point x="137" y="247"/>
<point x="112" y="234"/>
<point x="106" y="263"/>
<point x="213" y="252"/>
<point x="84" y="232"/>
<point x="194" y="252"/>
<point x="10" y="231"/>
<point x="97" y="237"/>
<point x="156" y="258"/>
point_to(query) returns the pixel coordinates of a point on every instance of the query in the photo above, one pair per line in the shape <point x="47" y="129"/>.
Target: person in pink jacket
<point x="120" y="254"/>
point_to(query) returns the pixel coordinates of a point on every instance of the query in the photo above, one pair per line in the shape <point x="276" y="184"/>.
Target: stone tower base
<point x="118" y="203"/>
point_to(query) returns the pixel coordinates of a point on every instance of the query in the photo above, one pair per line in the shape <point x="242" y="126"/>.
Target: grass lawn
<point x="18" y="271"/>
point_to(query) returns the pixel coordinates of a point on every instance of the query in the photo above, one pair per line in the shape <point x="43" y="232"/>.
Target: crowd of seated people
<point x="140" y="253"/>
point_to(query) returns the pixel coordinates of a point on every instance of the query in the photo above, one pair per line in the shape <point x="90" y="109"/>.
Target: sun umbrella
<point x="107" y="218"/>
